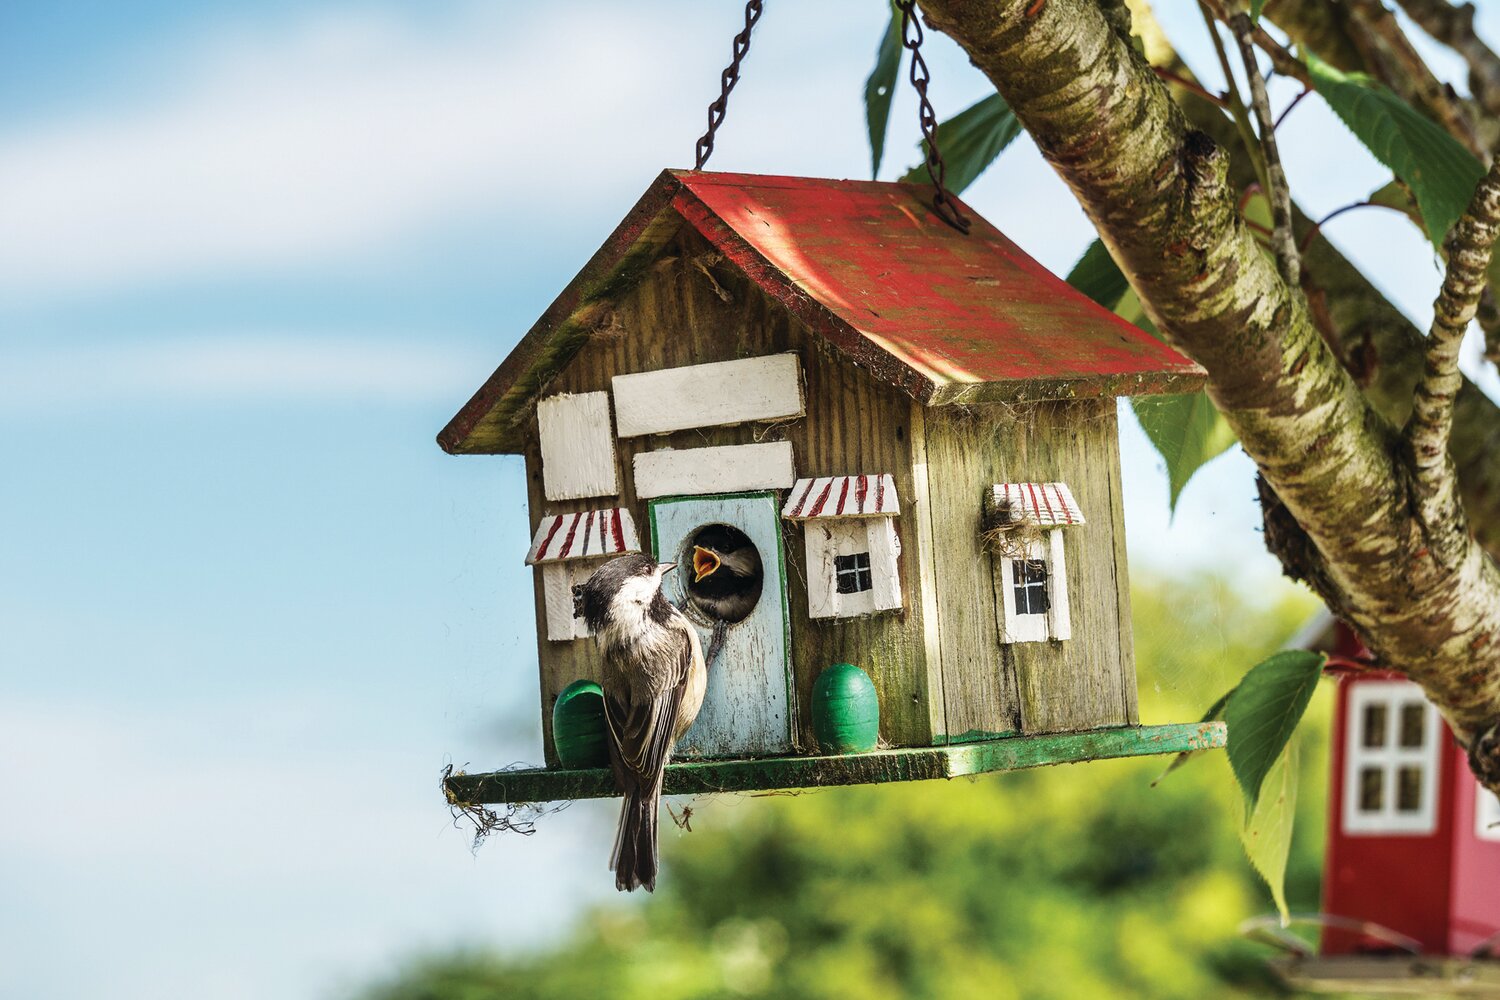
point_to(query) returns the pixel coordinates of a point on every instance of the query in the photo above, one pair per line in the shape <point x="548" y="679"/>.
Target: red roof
<point x="944" y="317"/>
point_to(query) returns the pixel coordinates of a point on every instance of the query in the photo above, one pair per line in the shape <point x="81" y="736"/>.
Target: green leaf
<point x="881" y="86"/>
<point x="1255" y="8"/>
<point x="1267" y="830"/>
<point x="1187" y="430"/>
<point x="970" y="141"/>
<point x="1441" y="173"/>
<point x="1097" y="276"/>
<point x="1263" y="711"/>
<point x="1182" y="758"/>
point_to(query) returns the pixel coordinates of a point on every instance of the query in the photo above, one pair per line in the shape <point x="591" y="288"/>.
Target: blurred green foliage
<point x="1067" y="882"/>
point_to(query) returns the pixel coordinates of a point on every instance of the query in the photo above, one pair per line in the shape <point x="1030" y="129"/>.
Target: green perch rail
<point x="1010" y="753"/>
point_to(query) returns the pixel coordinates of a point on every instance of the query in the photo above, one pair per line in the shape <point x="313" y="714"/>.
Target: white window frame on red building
<point x="1390" y="758"/>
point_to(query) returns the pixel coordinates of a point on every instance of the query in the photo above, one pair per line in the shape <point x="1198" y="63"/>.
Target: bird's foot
<point x="716" y="642"/>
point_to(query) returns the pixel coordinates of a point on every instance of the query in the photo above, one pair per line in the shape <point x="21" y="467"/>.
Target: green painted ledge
<point x="902" y="764"/>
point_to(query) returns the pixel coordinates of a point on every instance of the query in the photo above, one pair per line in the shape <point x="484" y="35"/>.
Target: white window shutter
<point x="557" y="589"/>
<point x="822" y="600"/>
<point x="1059" y="624"/>
<point x="885" y="574"/>
<point x="578" y="450"/>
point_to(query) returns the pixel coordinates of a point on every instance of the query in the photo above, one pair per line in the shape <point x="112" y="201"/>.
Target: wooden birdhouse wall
<point x="689" y="309"/>
<point x="992" y="686"/>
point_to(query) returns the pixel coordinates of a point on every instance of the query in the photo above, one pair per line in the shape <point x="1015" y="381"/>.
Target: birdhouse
<point x="864" y="438"/>
<point x="1411" y="881"/>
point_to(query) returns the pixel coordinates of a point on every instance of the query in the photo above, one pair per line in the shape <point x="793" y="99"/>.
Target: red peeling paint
<point x="949" y="307"/>
<point x="943" y="317"/>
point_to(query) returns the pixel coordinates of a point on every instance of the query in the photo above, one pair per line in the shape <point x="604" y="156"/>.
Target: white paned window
<point x="1486" y="814"/>
<point x="1031" y="586"/>
<point x="1390" y="759"/>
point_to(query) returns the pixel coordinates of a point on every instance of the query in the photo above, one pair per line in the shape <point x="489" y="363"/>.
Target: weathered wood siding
<point x="690" y="309"/>
<point x="1087" y="681"/>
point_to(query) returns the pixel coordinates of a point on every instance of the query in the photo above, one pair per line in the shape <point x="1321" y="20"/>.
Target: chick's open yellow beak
<point x="705" y="563"/>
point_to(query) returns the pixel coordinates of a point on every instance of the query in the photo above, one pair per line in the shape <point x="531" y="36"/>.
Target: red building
<point x="1413" y="840"/>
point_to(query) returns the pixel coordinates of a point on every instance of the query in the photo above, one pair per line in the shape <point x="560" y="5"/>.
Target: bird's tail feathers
<point x="635" y="857"/>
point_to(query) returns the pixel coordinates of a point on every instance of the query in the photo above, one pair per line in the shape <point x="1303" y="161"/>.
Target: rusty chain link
<point x="727" y="80"/>
<point x="911" y="38"/>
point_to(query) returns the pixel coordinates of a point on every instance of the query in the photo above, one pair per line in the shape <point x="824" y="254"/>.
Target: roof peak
<point x="868" y="266"/>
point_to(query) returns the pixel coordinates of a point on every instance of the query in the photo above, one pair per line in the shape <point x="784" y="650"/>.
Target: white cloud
<point x="240" y="367"/>
<point x="330" y="135"/>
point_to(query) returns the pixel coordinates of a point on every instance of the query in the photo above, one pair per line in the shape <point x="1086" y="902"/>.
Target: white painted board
<point x="746" y="708"/>
<point x="1059" y="620"/>
<point x="558" y="581"/>
<point x="578" y="450"/>
<point x="885" y="551"/>
<point x="711" y="395"/>
<point x="731" y="468"/>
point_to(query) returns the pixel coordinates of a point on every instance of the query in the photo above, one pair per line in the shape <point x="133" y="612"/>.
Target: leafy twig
<point x="1316" y="227"/>
<point x="1288" y="261"/>
<point x="1288" y="109"/>
<point x="1232" y="97"/>
<point x="1192" y="85"/>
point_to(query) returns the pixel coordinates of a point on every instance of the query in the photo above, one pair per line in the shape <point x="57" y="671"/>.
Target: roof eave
<point x="491" y="421"/>
<point x="1086" y="386"/>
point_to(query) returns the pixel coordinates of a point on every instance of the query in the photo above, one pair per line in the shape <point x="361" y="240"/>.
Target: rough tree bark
<point x="1377" y="344"/>
<point x="1423" y="594"/>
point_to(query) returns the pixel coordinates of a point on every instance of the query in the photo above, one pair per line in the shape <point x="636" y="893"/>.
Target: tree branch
<point x="1380" y="26"/>
<point x="1374" y="339"/>
<point x="1287" y="260"/>
<point x="1157" y="190"/>
<point x="1469" y="246"/>
<point x="1361" y="36"/>
<point x="1453" y="26"/>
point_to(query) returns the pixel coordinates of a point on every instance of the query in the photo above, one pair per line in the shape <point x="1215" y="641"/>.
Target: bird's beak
<point x="705" y="563"/>
<point x="662" y="569"/>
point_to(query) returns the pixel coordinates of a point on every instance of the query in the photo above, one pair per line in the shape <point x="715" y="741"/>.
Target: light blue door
<point x="747" y="709"/>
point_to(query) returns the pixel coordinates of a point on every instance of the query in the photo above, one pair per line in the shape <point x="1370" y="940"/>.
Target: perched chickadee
<point x="653" y="679"/>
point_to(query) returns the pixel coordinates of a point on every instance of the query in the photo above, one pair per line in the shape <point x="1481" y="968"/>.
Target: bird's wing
<point x="642" y="728"/>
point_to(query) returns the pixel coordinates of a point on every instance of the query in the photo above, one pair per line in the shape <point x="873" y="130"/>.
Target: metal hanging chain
<point x="942" y="202"/>
<point x="727" y="80"/>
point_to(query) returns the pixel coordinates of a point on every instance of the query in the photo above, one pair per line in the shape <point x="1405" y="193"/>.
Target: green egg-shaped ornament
<point x="578" y="726"/>
<point x="845" y="710"/>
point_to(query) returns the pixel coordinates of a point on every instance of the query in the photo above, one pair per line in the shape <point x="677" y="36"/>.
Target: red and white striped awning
<point x="842" y="496"/>
<point x="585" y="535"/>
<point x="1047" y="504"/>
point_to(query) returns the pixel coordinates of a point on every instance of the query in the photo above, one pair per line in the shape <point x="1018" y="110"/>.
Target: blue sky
<point x="251" y="260"/>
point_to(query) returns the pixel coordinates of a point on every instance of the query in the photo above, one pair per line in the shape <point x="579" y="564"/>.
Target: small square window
<point x="852" y="573"/>
<point x="1029" y="577"/>
<point x="1413" y="724"/>
<point x="1373" y="734"/>
<point x="1371" y="789"/>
